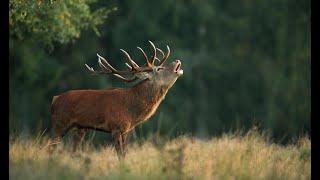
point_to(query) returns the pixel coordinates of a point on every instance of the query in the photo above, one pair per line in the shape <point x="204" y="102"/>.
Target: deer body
<point x="107" y="110"/>
<point x="115" y="110"/>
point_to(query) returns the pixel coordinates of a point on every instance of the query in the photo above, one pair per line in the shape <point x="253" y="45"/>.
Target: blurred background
<point x="246" y="63"/>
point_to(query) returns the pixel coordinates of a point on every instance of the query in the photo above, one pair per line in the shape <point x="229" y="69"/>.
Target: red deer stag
<point x="116" y="110"/>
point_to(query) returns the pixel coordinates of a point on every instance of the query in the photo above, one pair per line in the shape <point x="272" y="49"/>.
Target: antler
<point x="134" y="68"/>
<point x="165" y="56"/>
<point x="154" y="56"/>
<point x="106" y="68"/>
<point x="150" y="62"/>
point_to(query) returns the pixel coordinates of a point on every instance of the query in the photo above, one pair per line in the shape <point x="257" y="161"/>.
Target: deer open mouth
<point x="177" y="68"/>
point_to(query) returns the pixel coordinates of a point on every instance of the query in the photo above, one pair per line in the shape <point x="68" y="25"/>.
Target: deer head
<point x="157" y="75"/>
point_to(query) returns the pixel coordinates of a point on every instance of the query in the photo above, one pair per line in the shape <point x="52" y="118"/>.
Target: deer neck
<point x="147" y="97"/>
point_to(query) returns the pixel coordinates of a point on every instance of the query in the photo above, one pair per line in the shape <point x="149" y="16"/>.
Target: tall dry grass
<point x="249" y="156"/>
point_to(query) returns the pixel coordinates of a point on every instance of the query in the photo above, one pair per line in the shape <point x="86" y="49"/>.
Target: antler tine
<point x="116" y="75"/>
<point x="110" y="69"/>
<point x="154" y="52"/>
<point x="145" y="56"/>
<point x="128" y="66"/>
<point x="132" y="63"/>
<point x="106" y="62"/>
<point x="96" y="72"/>
<point x="125" y="79"/>
<point x="157" y="59"/>
<point x="89" y="68"/>
<point x="161" y="52"/>
<point x="106" y="69"/>
<point x="166" y="56"/>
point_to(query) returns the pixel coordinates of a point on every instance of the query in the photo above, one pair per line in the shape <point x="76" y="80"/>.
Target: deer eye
<point x="159" y="68"/>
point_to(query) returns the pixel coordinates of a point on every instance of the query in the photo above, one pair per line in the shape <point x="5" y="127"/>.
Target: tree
<point x="52" y="21"/>
<point x="39" y="32"/>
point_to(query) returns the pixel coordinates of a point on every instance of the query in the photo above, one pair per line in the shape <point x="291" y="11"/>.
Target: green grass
<point x="249" y="156"/>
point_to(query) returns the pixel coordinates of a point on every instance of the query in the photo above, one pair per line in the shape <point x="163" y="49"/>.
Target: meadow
<point x="250" y="155"/>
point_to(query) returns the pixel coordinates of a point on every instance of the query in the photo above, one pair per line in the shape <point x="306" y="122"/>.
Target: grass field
<point x="231" y="156"/>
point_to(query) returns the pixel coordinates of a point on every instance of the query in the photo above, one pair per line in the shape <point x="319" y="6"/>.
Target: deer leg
<point x="118" y="144"/>
<point x="79" y="136"/>
<point x="120" y="141"/>
<point x="57" y="139"/>
<point x="116" y="141"/>
<point x="60" y="131"/>
<point x="124" y="143"/>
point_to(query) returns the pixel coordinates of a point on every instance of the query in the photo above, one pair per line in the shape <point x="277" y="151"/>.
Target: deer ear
<point x="143" y="75"/>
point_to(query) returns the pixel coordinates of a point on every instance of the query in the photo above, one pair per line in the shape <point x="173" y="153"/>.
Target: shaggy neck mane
<point x="146" y="97"/>
<point x="149" y="91"/>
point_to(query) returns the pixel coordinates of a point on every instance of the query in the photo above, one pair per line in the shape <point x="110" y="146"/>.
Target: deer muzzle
<point x="177" y="67"/>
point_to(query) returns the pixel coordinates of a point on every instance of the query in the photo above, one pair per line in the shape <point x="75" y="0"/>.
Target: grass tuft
<point x="231" y="156"/>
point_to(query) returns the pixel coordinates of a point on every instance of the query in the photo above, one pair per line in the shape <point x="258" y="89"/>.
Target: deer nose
<point x="177" y="61"/>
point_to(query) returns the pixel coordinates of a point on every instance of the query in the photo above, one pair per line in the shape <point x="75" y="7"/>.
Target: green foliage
<point x="53" y="21"/>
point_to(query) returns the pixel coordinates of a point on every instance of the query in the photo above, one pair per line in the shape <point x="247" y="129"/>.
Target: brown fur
<point x="114" y="110"/>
